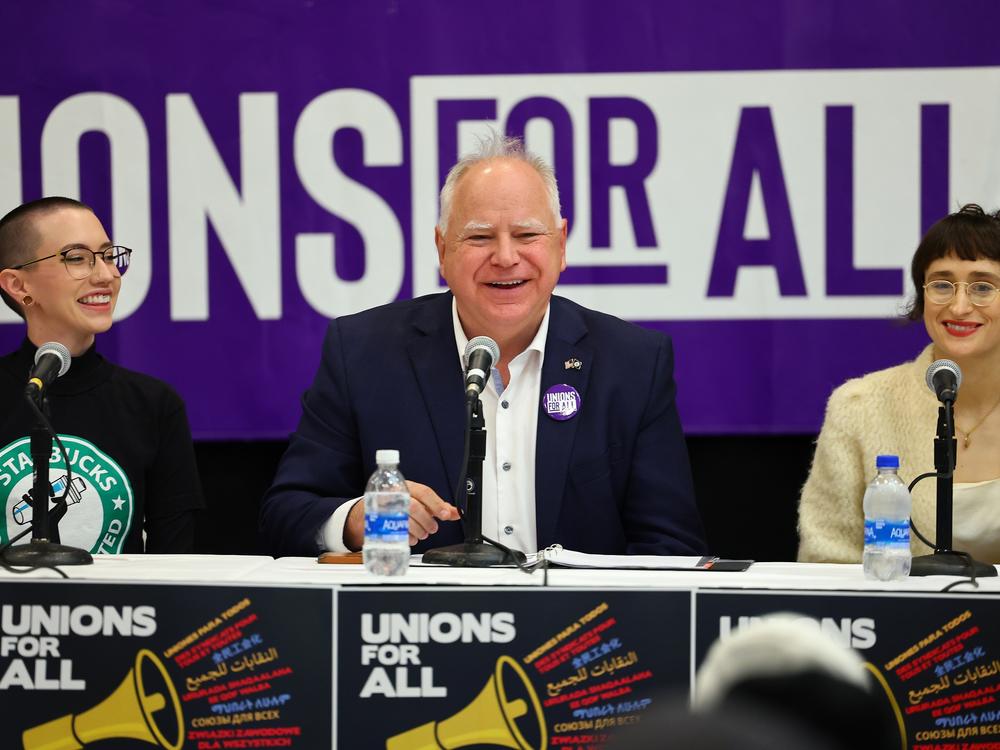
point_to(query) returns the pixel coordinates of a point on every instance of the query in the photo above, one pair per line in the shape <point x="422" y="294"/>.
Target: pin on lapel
<point x="561" y="402"/>
<point x="573" y="364"/>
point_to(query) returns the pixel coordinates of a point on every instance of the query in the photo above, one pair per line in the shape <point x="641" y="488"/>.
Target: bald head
<point x="496" y="147"/>
<point x="20" y="235"/>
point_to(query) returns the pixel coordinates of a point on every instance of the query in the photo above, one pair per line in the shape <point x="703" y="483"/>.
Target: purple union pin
<point x="561" y="402"/>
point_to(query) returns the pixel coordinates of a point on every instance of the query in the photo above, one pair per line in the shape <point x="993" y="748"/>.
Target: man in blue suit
<point x="584" y="444"/>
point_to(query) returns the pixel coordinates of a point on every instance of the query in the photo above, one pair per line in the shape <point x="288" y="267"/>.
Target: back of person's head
<point x="788" y="666"/>
<point x="20" y="236"/>
<point x="669" y="724"/>
<point x="968" y="234"/>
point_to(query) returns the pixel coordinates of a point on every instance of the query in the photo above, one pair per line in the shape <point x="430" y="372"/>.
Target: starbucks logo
<point x="99" y="500"/>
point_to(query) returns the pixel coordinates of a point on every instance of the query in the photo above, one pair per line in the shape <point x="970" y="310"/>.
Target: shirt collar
<point x="461" y="340"/>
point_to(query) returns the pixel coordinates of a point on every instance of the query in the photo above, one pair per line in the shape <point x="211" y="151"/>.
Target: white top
<point x="976" y="519"/>
<point x="511" y="417"/>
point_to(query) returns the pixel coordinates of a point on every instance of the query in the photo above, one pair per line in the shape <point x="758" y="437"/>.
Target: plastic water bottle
<point x="887" y="523"/>
<point x="386" y="549"/>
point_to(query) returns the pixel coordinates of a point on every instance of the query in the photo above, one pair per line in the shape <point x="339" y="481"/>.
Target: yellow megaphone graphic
<point x="893" y="703"/>
<point x="127" y="712"/>
<point x="491" y="718"/>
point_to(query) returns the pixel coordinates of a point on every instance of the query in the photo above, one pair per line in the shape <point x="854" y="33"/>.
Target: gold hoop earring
<point x="27" y="300"/>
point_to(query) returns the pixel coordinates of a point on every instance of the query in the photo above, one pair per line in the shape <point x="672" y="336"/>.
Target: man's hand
<point x="426" y="509"/>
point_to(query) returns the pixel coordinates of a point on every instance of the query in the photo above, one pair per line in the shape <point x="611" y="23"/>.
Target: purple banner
<point x="750" y="178"/>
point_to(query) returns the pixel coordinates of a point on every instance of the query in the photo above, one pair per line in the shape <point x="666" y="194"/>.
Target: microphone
<point x="52" y="360"/>
<point x="480" y="355"/>
<point x="944" y="377"/>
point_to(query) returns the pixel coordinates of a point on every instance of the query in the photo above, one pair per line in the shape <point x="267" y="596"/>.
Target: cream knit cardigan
<point x="889" y="411"/>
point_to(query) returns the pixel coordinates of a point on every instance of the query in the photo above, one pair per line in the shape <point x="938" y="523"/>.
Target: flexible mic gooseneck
<point x="476" y="551"/>
<point x="944" y="377"/>
<point x="52" y="360"/>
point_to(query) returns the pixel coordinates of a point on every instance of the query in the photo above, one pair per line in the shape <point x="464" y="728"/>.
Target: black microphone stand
<point x="475" y="551"/>
<point x="945" y="561"/>
<point x="44" y="549"/>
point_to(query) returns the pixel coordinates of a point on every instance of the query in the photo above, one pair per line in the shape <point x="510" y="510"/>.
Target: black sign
<point x="525" y="668"/>
<point x="935" y="658"/>
<point x="169" y="666"/>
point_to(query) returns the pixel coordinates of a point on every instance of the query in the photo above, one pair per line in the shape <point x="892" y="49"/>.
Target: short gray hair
<point x="497" y="146"/>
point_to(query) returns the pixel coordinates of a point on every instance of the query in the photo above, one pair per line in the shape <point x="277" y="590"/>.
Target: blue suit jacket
<point x="614" y="479"/>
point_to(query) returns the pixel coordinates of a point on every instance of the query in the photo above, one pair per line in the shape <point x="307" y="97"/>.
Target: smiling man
<point x="584" y="445"/>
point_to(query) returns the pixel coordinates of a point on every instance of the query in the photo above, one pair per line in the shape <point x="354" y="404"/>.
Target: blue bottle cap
<point x="887" y="462"/>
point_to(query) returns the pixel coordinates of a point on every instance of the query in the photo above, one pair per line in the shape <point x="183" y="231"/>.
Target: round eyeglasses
<point x="80" y="261"/>
<point x="980" y="293"/>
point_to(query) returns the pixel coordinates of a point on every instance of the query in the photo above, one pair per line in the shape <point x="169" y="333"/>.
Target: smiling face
<point x="65" y="309"/>
<point x="502" y="252"/>
<point x="959" y="329"/>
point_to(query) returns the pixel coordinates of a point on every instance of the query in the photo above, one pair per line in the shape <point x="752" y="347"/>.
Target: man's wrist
<point x="354" y="526"/>
<point x="335" y="535"/>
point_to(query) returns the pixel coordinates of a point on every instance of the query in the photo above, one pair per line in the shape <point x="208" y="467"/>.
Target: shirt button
<point x="505" y="466"/>
<point x="505" y="404"/>
<point x="508" y="530"/>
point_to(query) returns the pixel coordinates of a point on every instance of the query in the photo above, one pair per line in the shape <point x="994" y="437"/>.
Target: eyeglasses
<point x="980" y="293"/>
<point x="80" y="261"/>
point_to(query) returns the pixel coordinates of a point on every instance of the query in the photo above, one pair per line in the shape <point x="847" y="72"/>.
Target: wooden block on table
<point x="341" y="558"/>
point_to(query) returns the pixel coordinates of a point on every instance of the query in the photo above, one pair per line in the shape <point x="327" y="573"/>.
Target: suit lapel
<point x="554" y="441"/>
<point x="438" y="370"/>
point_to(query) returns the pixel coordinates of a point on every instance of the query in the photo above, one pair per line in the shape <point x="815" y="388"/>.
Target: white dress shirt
<point x="511" y="417"/>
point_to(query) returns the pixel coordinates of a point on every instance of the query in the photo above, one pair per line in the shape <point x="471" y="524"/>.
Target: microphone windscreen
<point x="940" y="365"/>
<point x="482" y="342"/>
<point x="54" y="347"/>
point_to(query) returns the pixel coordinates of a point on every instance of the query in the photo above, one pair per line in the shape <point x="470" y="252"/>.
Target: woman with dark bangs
<point x="956" y="274"/>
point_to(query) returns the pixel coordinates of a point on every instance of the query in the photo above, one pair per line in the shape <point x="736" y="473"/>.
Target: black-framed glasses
<point x="980" y="293"/>
<point x="80" y="261"/>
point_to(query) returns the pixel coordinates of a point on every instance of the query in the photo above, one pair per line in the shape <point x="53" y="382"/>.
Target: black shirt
<point x="129" y="445"/>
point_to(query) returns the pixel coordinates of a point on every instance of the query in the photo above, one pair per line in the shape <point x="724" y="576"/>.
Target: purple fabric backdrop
<point x="231" y="320"/>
